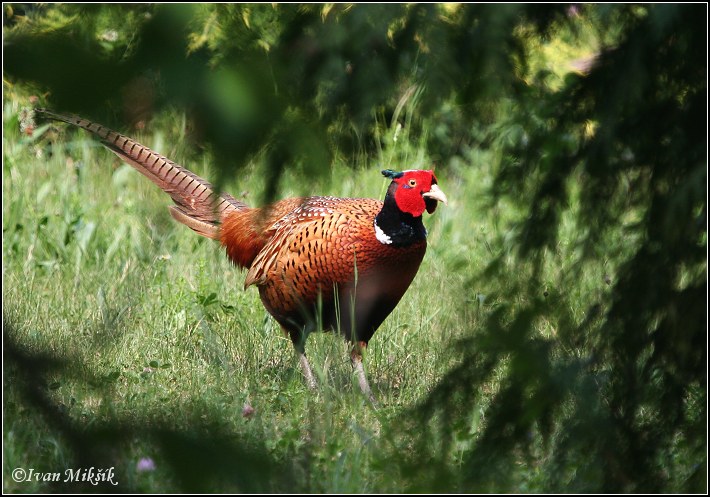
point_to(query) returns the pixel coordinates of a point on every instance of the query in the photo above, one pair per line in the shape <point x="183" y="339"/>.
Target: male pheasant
<point x="341" y="264"/>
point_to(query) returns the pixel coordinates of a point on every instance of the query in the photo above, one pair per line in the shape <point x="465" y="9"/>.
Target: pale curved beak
<point x="436" y="194"/>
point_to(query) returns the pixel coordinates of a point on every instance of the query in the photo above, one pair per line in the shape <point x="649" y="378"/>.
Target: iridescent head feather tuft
<point x="389" y="173"/>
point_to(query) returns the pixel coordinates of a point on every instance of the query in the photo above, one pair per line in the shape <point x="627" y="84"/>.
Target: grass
<point x="154" y="350"/>
<point x="128" y="339"/>
<point x="156" y="333"/>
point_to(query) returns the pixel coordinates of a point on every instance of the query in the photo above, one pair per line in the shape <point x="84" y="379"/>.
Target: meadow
<point x="553" y="340"/>
<point x="157" y="331"/>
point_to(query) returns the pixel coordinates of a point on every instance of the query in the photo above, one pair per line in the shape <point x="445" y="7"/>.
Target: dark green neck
<point x="397" y="228"/>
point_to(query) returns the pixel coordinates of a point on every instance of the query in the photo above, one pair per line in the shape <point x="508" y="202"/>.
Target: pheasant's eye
<point x="412" y="183"/>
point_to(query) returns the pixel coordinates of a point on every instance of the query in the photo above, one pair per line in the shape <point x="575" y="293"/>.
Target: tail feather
<point x="198" y="206"/>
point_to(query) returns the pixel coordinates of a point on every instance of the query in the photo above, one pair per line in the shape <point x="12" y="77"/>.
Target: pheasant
<point x="340" y="264"/>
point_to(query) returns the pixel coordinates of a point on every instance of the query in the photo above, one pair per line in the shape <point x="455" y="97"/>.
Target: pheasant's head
<point x="415" y="191"/>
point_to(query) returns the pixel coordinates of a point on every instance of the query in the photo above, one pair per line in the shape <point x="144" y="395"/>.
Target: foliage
<point x="302" y="87"/>
<point x="616" y="389"/>
<point x="576" y="351"/>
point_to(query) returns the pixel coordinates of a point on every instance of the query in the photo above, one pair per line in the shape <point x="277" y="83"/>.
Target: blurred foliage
<point x="301" y="82"/>
<point x="614" y="399"/>
<point x="616" y="395"/>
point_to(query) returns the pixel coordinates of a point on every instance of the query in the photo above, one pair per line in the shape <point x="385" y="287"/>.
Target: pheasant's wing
<point x="305" y="246"/>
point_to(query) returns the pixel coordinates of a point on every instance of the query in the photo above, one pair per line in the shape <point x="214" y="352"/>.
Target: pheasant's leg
<point x="310" y="379"/>
<point x="356" y="358"/>
<point x="300" y="347"/>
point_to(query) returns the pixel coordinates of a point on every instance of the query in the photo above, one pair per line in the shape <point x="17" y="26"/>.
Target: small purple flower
<point x="145" y="464"/>
<point x="247" y="411"/>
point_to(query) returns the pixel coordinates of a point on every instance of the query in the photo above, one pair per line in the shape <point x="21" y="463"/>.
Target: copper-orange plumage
<point x="341" y="263"/>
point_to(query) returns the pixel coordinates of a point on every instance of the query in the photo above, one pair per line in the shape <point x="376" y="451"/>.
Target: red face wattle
<point x="416" y="192"/>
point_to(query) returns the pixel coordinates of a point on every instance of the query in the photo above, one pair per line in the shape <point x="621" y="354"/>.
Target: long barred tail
<point x="197" y="205"/>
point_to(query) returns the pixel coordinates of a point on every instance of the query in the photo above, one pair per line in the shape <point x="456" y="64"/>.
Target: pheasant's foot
<point x="356" y="358"/>
<point x="307" y="372"/>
